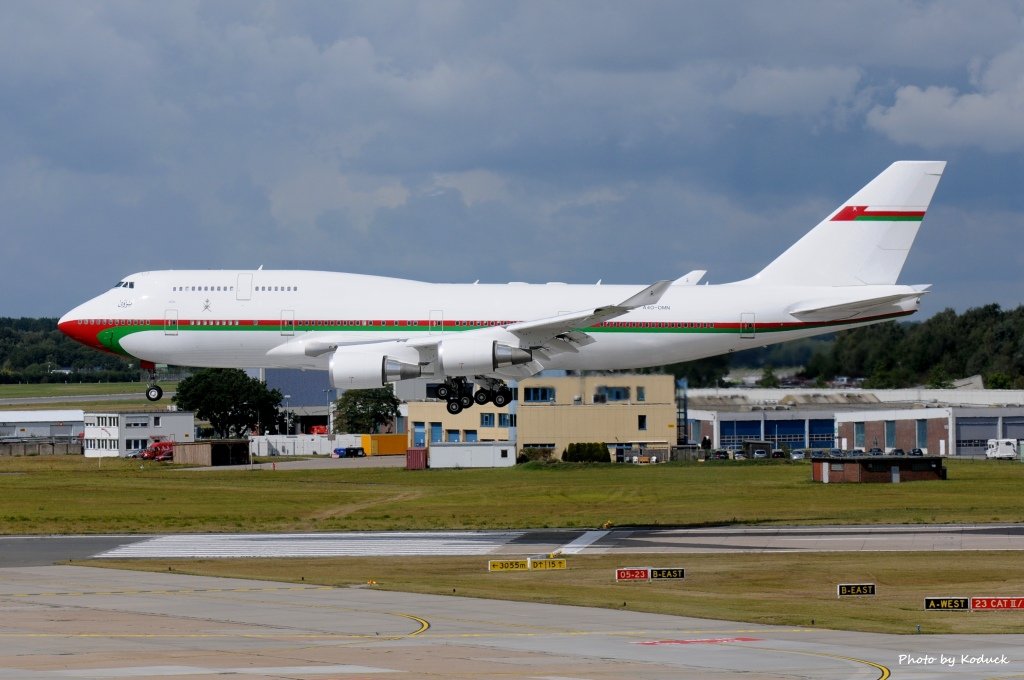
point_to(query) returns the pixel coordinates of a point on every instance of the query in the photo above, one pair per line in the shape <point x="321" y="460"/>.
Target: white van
<point x="1005" y="449"/>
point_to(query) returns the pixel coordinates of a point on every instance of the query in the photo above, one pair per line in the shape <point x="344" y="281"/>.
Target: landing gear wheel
<point x="465" y="401"/>
<point x="482" y="396"/>
<point x="154" y="393"/>
<point x="502" y="397"/>
<point x="443" y="391"/>
<point x="454" y="407"/>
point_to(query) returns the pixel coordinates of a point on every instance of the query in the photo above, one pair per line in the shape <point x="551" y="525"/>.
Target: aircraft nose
<point x="75" y="329"/>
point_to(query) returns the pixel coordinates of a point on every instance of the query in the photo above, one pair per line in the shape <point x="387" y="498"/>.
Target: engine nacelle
<point x="470" y="356"/>
<point x="363" y="370"/>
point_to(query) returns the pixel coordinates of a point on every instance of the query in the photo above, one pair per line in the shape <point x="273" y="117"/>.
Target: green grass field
<point x="55" y="495"/>
<point x="74" y="494"/>
<point x="791" y="589"/>
<point x="71" y="395"/>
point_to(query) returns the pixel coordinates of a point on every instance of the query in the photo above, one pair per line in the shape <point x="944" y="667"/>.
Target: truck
<point x="159" y="451"/>
<point x="1003" y="449"/>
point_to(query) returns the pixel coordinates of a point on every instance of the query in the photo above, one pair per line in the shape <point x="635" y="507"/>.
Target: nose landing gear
<point x="154" y="392"/>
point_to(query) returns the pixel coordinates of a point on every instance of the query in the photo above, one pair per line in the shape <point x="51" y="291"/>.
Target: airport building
<point x="67" y="424"/>
<point x="628" y="412"/>
<point x="939" y="422"/>
<point x="115" y="433"/>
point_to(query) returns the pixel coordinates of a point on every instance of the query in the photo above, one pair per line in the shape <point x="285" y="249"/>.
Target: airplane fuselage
<point x="234" y="319"/>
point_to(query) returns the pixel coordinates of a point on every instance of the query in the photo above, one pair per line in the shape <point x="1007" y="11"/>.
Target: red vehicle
<point x="159" y="451"/>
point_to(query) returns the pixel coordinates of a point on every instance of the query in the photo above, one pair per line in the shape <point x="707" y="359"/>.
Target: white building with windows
<point x="116" y="433"/>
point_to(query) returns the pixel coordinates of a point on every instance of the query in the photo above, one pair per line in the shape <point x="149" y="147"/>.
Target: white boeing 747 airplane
<point x="367" y="331"/>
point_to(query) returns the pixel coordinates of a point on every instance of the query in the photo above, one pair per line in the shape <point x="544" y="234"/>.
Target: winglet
<point x="648" y="296"/>
<point x="691" y="279"/>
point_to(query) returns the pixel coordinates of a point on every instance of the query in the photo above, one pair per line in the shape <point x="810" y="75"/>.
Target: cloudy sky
<point x="527" y="141"/>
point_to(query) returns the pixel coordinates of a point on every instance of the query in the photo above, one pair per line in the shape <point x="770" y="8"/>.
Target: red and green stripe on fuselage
<point x="107" y="334"/>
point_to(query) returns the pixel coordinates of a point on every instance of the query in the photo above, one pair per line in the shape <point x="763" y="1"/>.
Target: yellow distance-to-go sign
<point x="548" y="563"/>
<point x="529" y="564"/>
<point x="508" y="565"/>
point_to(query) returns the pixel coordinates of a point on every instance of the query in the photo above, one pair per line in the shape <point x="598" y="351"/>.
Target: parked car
<point x="875" y="451"/>
<point x="796" y="454"/>
<point x="721" y="454"/>
<point x="836" y="453"/>
<point x="778" y="453"/>
<point x="739" y="455"/>
<point x="897" y="452"/>
<point x="349" y="452"/>
<point x="916" y="452"/>
<point x="760" y="453"/>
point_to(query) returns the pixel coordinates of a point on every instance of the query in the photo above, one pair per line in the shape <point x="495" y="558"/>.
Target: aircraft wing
<point x="545" y="337"/>
<point x="821" y="311"/>
<point x="560" y="333"/>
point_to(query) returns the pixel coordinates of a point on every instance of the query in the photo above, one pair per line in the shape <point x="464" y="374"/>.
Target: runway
<point x="44" y="550"/>
<point x="78" y="622"/>
<point x="59" y="622"/>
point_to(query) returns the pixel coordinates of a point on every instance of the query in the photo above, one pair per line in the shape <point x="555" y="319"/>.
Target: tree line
<point x="34" y="351"/>
<point x="986" y="341"/>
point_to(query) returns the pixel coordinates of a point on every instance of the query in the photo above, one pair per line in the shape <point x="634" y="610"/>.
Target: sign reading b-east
<point x="847" y="589"/>
<point x="667" y="572"/>
<point x="952" y="604"/>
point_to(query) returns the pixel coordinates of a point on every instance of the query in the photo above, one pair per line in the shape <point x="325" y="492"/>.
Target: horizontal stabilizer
<point x="886" y="304"/>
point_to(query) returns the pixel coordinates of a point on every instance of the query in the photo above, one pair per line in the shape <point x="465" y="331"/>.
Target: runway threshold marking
<point x="165" y="592"/>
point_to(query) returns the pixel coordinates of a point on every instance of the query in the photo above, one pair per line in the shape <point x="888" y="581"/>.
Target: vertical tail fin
<point x="865" y="241"/>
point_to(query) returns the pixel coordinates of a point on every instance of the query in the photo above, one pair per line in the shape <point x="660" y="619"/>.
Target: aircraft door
<point x="243" y="287"/>
<point x="170" y="322"/>
<point x="436" y="322"/>
<point x="287" y="322"/>
<point x="747" y="326"/>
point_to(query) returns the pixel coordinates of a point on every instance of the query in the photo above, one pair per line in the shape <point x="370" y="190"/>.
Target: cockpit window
<point x="125" y="284"/>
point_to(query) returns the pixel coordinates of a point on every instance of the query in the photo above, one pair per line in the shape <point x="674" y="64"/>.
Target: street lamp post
<point x="330" y="410"/>
<point x="287" y="415"/>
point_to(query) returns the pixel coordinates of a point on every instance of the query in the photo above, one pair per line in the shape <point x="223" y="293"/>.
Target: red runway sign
<point x="997" y="603"/>
<point x="633" y="574"/>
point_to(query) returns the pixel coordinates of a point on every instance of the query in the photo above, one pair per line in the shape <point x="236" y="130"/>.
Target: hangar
<point x="67" y="424"/>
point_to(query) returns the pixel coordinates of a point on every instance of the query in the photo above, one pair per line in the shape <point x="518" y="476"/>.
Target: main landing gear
<point x="154" y="391"/>
<point x="459" y="394"/>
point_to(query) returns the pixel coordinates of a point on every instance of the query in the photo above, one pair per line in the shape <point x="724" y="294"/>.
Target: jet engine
<point x="470" y="356"/>
<point x="364" y="369"/>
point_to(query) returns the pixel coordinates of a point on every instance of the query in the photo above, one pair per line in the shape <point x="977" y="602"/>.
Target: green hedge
<point x="589" y="452"/>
